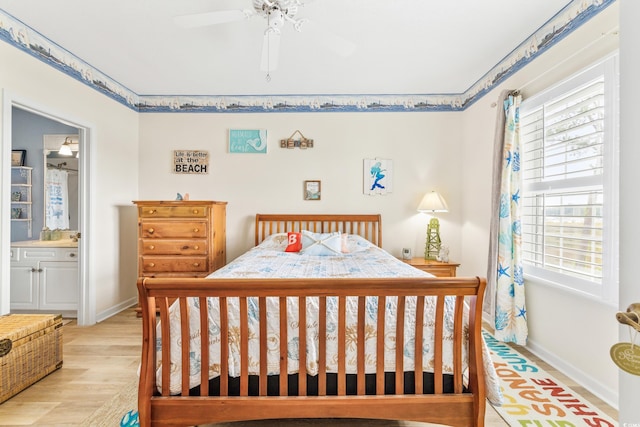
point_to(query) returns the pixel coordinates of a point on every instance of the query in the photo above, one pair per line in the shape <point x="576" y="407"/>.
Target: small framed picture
<point x="312" y="190"/>
<point x="18" y="157"/>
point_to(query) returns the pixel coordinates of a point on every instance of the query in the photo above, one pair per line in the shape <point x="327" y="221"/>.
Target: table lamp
<point x="432" y="202"/>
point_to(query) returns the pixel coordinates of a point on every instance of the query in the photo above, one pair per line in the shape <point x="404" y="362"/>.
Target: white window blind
<point x="565" y="164"/>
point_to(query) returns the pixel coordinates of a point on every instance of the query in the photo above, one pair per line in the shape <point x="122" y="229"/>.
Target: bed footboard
<point x="464" y="405"/>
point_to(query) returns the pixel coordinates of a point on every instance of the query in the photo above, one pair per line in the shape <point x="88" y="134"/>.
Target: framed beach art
<point x="18" y="157"/>
<point x="377" y="176"/>
<point x="312" y="190"/>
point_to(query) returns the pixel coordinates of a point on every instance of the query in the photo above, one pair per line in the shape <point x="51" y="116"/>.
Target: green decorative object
<point x="433" y="202"/>
<point x="432" y="247"/>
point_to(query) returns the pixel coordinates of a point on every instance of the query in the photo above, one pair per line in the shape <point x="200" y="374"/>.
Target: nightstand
<point x="437" y="268"/>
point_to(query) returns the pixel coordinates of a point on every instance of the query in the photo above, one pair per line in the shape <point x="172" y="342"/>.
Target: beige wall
<point x="272" y="183"/>
<point x="569" y="331"/>
<point x="114" y="166"/>
<point x="629" y="201"/>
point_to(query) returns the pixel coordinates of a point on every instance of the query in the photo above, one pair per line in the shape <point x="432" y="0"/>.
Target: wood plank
<point x="224" y="347"/>
<point x="380" y="348"/>
<point x="244" y="347"/>
<point x="302" y="346"/>
<point x="284" y="350"/>
<point x="262" y="306"/>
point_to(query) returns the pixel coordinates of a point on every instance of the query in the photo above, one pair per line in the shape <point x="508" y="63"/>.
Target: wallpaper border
<point x="571" y="17"/>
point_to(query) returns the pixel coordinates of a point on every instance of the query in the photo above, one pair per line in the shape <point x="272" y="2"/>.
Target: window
<point x="569" y="206"/>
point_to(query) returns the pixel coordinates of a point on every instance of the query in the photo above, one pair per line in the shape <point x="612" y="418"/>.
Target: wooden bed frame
<point x="465" y="406"/>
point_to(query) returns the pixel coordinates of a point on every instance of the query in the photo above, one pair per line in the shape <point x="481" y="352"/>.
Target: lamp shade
<point x="65" y="148"/>
<point x="433" y="202"/>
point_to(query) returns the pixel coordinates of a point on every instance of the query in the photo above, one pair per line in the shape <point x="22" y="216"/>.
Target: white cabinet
<point x="44" y="279"/>
<point x="21" y="211"/>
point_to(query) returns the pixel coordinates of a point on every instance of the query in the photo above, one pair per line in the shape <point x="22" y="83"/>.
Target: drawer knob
<point x="151" y="231"/>
<point x="196" y="247"/>
<point x="152" y="264"/>
<point x="196" y="264"/>
<point x="195" y="230"/>
<point x="72" y="255"/>
<point x="152" y="247"/>
<point x="152" y="211"/>
<point x="195" y="211"/>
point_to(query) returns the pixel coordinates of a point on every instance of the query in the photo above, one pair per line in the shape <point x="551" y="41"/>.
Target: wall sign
<point x="248" y="141"/>
<point x="624" y="354"/>
<point x="191" y="161"/>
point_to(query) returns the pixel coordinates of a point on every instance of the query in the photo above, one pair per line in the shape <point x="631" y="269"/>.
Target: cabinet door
<point x="24" y="286"/>
<point x="59" y="285"/>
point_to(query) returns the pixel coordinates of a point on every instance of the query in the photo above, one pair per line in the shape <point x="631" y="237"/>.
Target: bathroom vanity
<point x="44" y="277"/>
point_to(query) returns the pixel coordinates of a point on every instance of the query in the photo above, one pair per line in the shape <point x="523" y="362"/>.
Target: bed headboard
<point x="368" y="226"/>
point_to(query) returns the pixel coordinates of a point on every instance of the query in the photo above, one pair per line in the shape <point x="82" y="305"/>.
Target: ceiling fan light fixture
<point x="276" y="13"/>
<point x="275" y="20"/>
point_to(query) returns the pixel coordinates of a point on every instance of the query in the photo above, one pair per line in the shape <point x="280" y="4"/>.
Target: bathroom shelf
<point x="21" y="203"/>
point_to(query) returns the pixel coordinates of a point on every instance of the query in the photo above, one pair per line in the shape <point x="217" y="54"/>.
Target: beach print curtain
<point x="505" y="295"/>
<point x="57" y="199"/>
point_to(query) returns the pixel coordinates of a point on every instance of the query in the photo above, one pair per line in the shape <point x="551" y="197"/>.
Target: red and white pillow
<point x="294" y="242"/>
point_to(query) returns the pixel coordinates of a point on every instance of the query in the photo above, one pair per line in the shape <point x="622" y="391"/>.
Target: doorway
<point x="86" y="294"/>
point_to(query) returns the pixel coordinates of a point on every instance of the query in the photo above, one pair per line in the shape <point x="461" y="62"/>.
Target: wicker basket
<point x="30" y="349"/>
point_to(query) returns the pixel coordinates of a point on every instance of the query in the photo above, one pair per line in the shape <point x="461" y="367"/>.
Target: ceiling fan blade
<point x="270" y="51"/>
<point x="212" y="18"/>
<point x="329" y="40"/>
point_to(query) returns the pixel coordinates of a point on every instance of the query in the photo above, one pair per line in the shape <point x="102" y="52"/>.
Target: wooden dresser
<point x="181" y="238"/>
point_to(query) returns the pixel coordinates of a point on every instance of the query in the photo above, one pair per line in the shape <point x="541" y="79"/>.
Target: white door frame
<point x="86" y="297"/>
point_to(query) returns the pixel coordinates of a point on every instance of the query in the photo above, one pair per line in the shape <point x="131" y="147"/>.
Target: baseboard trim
<point x="112" y="311"/>
<point x="585" y="380"/>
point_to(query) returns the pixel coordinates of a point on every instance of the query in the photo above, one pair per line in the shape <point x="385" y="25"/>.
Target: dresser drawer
<point x="439" y="271"/>
<point x="173" y="211"/>
<point x="173" y="247"/>
<point x="158" y="264"/>
<point x="172" y="230"/>
<point x="437" y="268"/>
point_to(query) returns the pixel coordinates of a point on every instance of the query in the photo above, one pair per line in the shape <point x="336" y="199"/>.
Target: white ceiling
<point x="402" y="46"/>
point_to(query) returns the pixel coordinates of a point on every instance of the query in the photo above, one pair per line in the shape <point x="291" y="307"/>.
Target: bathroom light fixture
<point x="432" y="202"/>
<point x="65" y="148"/>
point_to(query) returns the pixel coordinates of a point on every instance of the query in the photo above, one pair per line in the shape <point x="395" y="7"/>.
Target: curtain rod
<point x="60" y="166"/>
<point x="516" y="92"/>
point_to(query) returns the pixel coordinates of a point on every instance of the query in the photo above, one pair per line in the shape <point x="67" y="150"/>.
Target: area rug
<point x="120" y="410"/>
<point x="532" y="397"/>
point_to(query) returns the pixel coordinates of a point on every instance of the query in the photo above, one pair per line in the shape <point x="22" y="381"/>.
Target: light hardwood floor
<point x="97" y="362"/>
<point x="101" y="359"/>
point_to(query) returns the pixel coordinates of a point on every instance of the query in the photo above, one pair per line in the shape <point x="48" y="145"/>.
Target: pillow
<point x="355" y="243"/>
<point x="294" y="241"/>
<point x="344" y="243"/>
<point x="321" y="243"/>
<point x="277" y="241"/>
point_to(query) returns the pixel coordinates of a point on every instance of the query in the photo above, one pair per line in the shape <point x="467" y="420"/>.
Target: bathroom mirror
<point x="60" y="183"/>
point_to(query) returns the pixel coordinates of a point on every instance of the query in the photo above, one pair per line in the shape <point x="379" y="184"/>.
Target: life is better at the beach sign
<point x="191" y="161"/>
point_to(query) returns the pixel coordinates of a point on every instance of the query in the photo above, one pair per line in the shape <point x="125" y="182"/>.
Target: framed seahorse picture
<point x="377" y="176"/>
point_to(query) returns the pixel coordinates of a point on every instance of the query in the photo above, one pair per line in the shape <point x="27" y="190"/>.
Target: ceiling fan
<point x="277" y="14"/>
